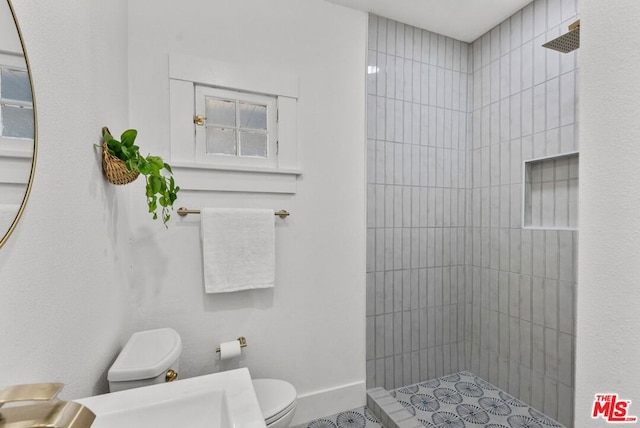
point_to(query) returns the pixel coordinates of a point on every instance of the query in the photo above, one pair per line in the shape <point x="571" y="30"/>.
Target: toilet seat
<point x="276" y="398"/>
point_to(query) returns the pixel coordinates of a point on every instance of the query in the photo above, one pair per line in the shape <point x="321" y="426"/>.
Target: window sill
<point x="202" y="177"/>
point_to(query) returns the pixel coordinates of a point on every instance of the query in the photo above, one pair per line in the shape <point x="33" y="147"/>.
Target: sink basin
<point x="211" y="408"/>
<point x="220" y="400"/>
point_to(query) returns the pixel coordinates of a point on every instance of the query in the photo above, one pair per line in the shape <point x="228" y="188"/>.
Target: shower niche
<point x="550" y="195"/>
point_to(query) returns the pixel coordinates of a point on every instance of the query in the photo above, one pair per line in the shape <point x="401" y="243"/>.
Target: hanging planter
<point x="115" y="169"/>
<point x="122" y="163"/>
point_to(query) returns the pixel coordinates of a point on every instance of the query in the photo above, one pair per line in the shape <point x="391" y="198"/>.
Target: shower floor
<point x="459" y="400"/>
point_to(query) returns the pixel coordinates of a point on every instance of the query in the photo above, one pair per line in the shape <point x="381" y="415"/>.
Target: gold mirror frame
<point x="6" y="236"/>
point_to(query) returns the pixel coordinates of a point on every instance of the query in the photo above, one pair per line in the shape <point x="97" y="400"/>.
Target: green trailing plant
<point x="161" y="189"/>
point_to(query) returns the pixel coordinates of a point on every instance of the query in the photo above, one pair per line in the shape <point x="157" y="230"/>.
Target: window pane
<point x="253" y="116"/>
<point x="17" y="122"/>
<point x="221" y="141"/>
<point x="221" y="112"/>
<point x="15" y="85"/>
<point x="253" y="144"/>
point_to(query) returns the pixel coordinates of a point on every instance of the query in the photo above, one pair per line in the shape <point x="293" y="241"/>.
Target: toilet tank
<point x="146" y="359"/>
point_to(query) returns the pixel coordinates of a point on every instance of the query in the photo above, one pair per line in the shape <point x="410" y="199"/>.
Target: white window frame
<point x="185" y="72"/>
<point x="201" y="92"/>
<point x="15" y="146"/>
<point x="16" y="154"/>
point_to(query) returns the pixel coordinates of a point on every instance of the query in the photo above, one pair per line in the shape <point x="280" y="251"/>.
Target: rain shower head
<point x="567" y="42"/>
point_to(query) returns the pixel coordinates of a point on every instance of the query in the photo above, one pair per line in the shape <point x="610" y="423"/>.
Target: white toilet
<point x="151" y="357"/>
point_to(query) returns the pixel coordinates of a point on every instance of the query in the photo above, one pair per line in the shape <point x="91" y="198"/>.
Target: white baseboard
<point x="318" y="404"/>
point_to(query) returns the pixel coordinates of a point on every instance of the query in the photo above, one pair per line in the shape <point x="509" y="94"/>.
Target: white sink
<point x="220" y="400"/>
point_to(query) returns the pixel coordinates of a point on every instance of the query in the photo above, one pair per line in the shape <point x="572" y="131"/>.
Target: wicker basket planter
<point x="115" y="169"/>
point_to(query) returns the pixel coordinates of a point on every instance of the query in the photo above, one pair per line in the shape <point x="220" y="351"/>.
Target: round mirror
<point x="18" y="140"/>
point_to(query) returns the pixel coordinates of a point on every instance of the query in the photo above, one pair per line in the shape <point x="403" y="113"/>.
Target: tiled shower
<point x="471" y="254"/>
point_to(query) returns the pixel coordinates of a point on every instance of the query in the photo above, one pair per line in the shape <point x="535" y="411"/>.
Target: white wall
<point x="309" y="330"/>
<point x="609" y="273"/>
<point x="62" y="279"/>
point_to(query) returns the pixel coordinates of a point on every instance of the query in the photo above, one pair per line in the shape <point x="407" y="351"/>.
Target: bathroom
<point x="86" y="267"/>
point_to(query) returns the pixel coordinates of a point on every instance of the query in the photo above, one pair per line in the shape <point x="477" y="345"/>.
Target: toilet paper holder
<point x="241" y="339"/>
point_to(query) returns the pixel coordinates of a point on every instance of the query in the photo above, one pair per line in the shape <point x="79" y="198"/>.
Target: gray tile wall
<point x="417" y="194"/>
<point x="520" y="329"/>
<point x="454" y="281"/>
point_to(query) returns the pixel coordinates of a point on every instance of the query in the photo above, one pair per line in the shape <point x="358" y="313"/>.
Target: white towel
<point x="238" y="249"/>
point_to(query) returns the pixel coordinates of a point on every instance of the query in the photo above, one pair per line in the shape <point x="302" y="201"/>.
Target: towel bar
<point x="184" y="211"/>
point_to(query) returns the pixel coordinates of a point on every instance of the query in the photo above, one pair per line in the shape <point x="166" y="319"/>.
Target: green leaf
<point x="168" y="168"/>
<point x="131" y="164"/>
<point x="156" y="161"/>
<point x="152" y="204"/>
<point x="128" y="137"/>
<point x="144" y="167"/>
<point x="155" y="183"/>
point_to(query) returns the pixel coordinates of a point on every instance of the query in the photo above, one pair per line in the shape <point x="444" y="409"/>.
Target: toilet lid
<point x="146" y="355"/>
<point x="274" y="396"/>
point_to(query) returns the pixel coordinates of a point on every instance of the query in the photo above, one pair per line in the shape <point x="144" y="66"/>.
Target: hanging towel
<point x="238" y="249"/>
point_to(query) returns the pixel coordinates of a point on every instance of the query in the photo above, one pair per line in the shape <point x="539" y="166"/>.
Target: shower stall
<point x="472" y="207"/>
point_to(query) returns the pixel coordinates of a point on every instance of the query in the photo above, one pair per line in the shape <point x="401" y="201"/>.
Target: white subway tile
<point x="554" y="13"/>
<point x="516" y="111"/>
<point x="504" y="77"/>
<point x="516" y="70"/>
<point x="527" y="23"/>
<point x="539" y="108"/>
<point x="539" y="60"/>
<point x="495" y="74"/>
<point x="553" y="103"/>
<point x="425" y="46"/>
<point x="565" y="359"/>
<point x="566" y="298"/>
<point x="550" y="398"/>
<point x="539" y="17"/>
<point x="567" y="99"/>
<point x="417" y="44"/>
<point x="516" y="28"/>
<point x="537" y="354"/>
<point x="382" y="34"/>
<point x="391" y="37"/>
<point x="553" y="56"/>
<point x="505" y="37"/>
<point x="565" y="405"/>
<point x="433" y="49"/>
<point x="525" y="343"/>
<point x="448" y="53"/>
<point x="457" y="55"/>
<point x="442" y="51"/>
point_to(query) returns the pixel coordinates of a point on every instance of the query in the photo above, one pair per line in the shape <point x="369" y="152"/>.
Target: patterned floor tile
<point x="356" y="418"/>
<point x="464" y="400"/>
